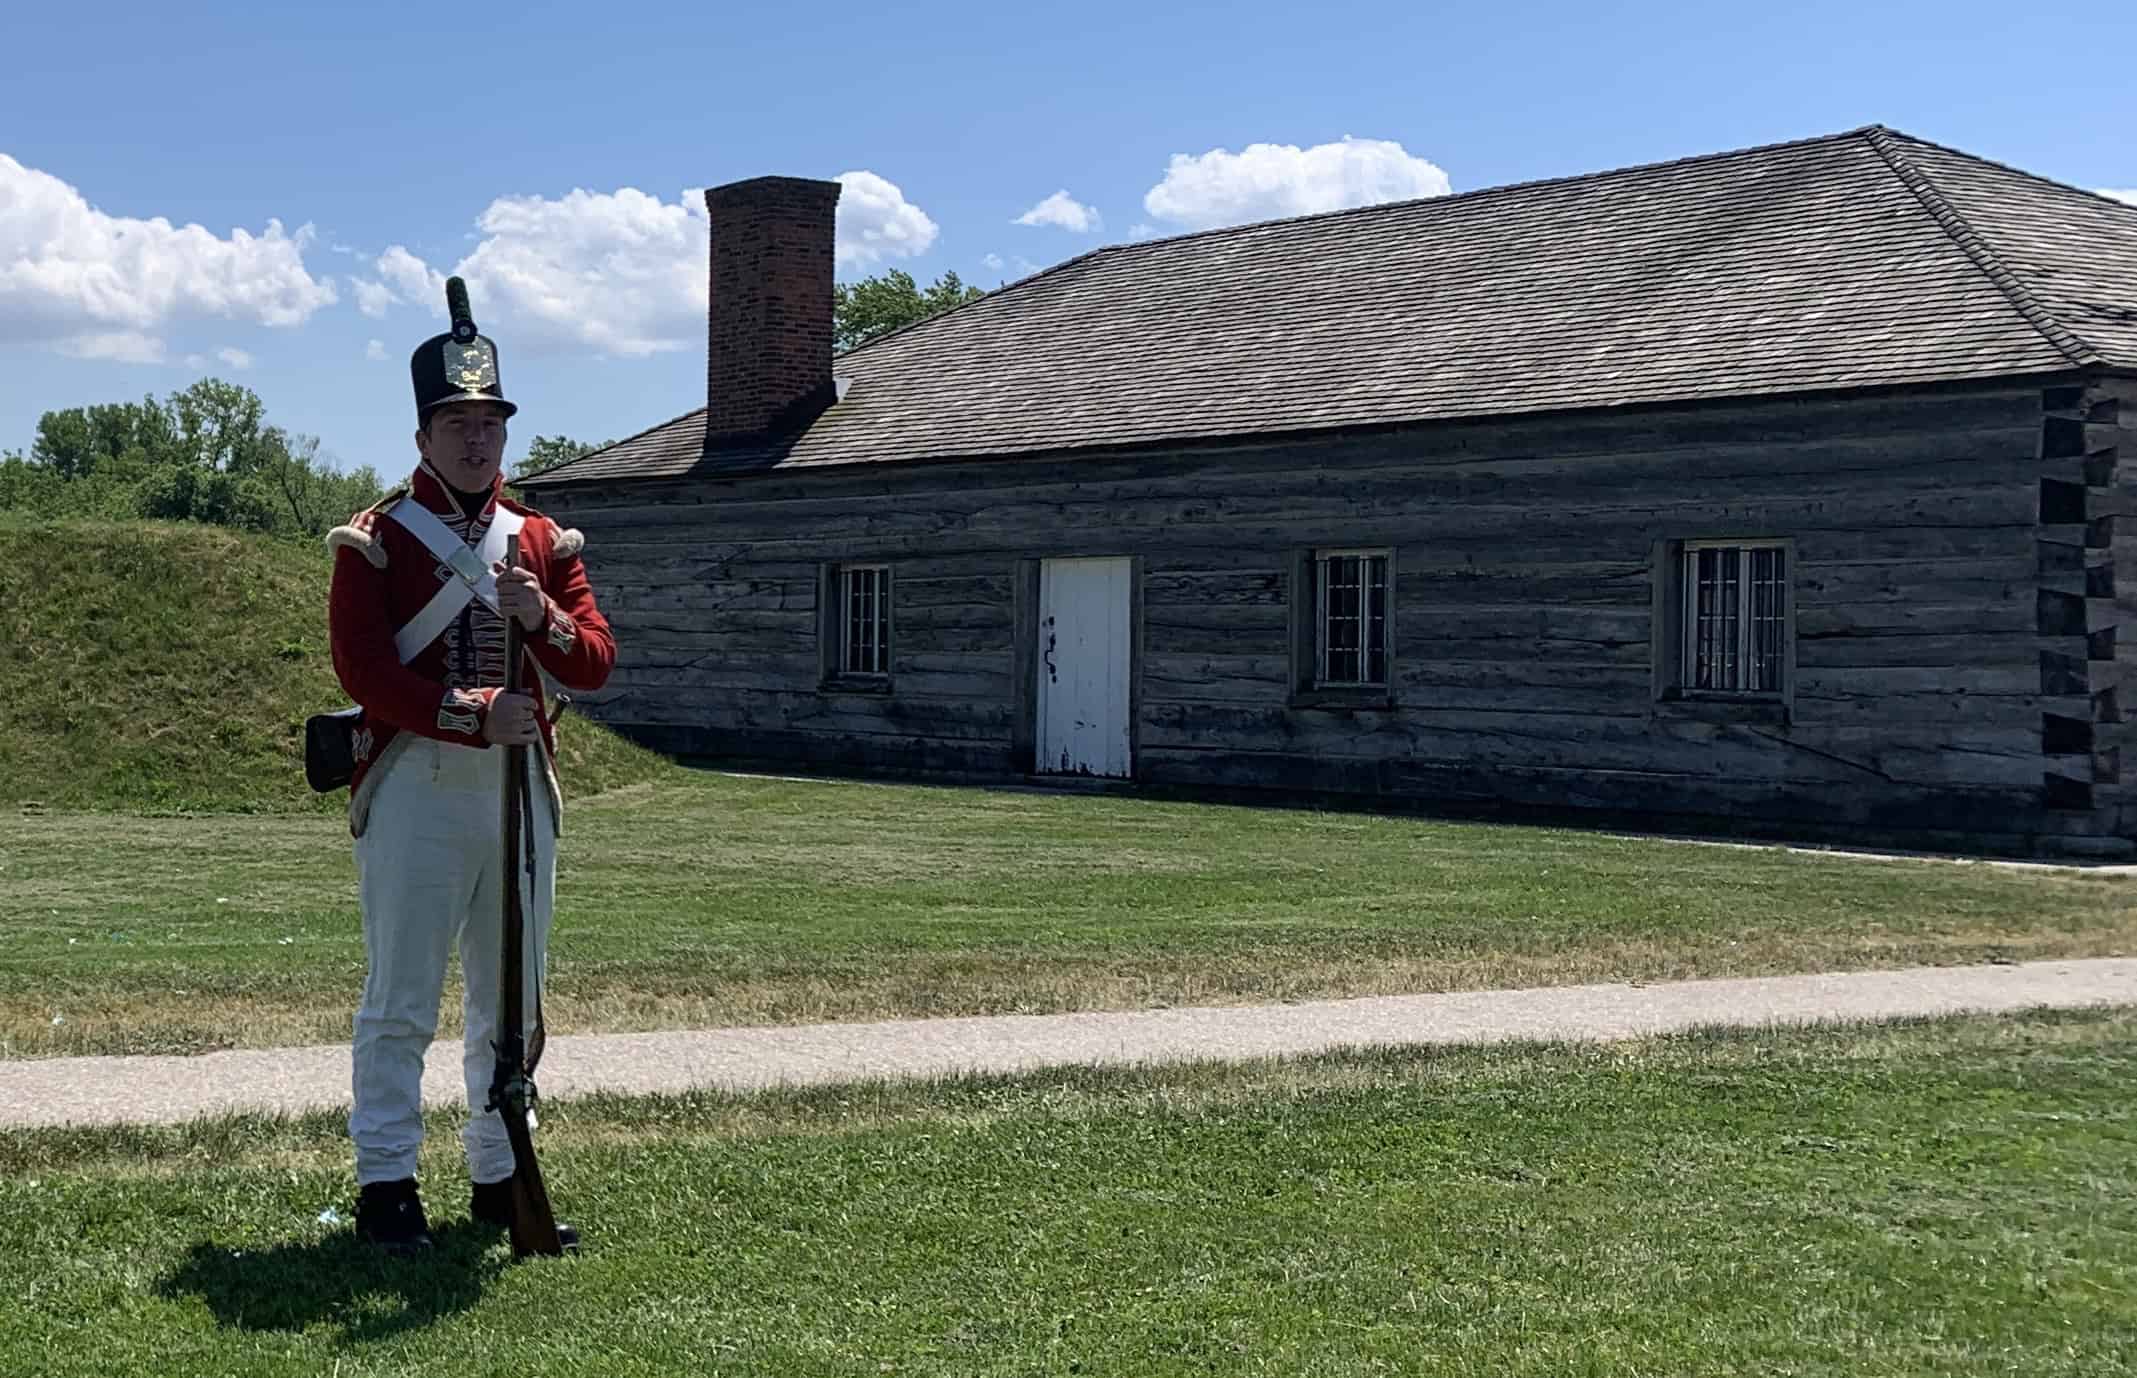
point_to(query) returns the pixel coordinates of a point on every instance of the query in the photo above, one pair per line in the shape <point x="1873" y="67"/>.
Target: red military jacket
<point x="384" y="575"/>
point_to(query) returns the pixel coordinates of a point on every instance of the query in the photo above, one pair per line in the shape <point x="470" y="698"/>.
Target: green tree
<point x="314" y="496"/>
<point x="194" y="492"/>
<point x="548" y="451"/>
<point x="206" y="455"/>
<point x="861" y="311"/>
<point x="214" y="425"/>
<point x="129" y="437"/>
<point x="221" y="427"/>
<point x="33" y="488"/>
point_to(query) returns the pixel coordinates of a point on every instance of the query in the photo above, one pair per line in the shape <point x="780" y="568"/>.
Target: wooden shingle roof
<point x="1858" y="259"/>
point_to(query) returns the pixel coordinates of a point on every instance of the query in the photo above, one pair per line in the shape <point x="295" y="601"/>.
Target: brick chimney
<point x="768" y="364"/>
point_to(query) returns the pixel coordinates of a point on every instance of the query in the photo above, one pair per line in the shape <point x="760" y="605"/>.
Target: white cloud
<point x="876" y="222"/>
<point x="1142" y="229"/>
<point x="1016" y="265"/>
<point x="1272" y="181"/>
<point x="375" y="351"/>
<point x="100" y="286"/>
<point x="620" y="272"/>
<point x="406" y="279"/>
<point x="2127" y="196"/>
<point x="372" y="298"/>
<point x="236" y="358"/>
<point x="411" y="279"/>
<point x="623" y="272"/>
<point x="119" y="346"/>
<point x="1063" y="210"/>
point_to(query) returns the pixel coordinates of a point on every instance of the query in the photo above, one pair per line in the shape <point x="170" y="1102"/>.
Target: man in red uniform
<point x="420" y="594"/>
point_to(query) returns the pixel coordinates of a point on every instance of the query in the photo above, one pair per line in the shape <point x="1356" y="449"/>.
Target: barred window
<point x="1351" y="616"/>
<point x="865" y="617"/>
<point x="1735" y="616"/>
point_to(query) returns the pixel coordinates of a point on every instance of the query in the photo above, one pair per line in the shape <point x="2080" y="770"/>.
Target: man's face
<point x="465" y="443"/>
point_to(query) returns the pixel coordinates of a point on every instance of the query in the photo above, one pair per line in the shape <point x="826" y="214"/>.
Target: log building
<point x="1790" y="491"/>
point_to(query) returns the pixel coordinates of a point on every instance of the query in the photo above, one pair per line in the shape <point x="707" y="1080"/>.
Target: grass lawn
<point x="1949" y="1197"/>
<point x="714" y="899"/>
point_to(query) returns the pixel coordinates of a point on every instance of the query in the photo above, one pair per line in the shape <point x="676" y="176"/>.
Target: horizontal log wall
<point x="1929" y="659"/>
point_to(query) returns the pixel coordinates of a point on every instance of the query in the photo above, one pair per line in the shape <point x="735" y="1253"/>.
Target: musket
<point x="533" y="1225"/>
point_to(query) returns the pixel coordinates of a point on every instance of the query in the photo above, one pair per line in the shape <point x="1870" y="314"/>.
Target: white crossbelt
<point x="476" y="570"/>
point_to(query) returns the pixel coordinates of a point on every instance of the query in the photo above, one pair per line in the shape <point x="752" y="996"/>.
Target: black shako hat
<point x="458" y="366"/>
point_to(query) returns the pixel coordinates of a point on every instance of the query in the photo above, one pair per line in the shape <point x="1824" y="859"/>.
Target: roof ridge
<point x="1975" y="247"/>
<point x="1872" y="131"/>
<point x="1473" y="194"/>
<point x="2010" y="168"/>
<point x="1374" y="208"/>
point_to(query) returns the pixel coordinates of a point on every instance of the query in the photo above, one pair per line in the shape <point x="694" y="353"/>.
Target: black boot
<point x="390" y="1215"/>
<point x="491" y="1204"/>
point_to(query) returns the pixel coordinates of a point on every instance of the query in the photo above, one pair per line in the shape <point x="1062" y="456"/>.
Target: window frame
<point x="1318" y="681"/>
<point x="839" y="581"/>
<point x="1682" y="682"/>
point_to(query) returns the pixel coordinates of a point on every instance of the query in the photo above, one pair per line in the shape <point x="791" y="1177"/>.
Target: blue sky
<point x="260" y="192"/>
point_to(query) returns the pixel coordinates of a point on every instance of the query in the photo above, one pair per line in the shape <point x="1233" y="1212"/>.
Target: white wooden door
<point x="1084" y="653"/>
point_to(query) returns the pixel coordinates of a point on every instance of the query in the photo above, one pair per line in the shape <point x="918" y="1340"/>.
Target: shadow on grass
<point x="339" y="1281"/>
<point x="1462" y="802"/>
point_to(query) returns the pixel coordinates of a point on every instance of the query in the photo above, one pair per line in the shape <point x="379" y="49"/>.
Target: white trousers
<point x="430" y="868"/>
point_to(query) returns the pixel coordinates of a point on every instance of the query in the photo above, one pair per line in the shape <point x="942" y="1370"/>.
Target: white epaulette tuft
<point x="360" y="540"/>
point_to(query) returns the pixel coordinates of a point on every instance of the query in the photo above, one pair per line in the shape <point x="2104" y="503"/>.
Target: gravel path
<point x="114" y="1090"/>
